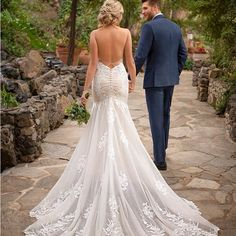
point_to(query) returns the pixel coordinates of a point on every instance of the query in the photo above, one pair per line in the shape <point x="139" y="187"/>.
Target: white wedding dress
<point x="111" y="186"/>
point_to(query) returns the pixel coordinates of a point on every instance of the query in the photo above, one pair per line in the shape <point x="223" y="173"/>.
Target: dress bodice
<point x="110" y="83"/>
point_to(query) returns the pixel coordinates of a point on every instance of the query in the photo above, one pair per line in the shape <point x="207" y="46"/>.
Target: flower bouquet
<point x="77" y="111"/>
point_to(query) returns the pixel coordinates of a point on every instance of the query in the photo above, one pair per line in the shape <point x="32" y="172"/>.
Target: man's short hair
<point x="153" y="2"/>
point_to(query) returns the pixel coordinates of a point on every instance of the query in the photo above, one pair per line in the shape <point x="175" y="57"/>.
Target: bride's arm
<point x="130" y="60"/>
<point x="91" y="70"/>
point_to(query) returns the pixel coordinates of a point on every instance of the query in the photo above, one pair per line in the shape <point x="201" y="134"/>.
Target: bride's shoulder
<point x="94" y="31"/>
<point x="125" y="30"/>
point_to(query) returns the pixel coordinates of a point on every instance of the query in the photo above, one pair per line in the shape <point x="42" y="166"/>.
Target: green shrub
<point x="221" y="104"/>
<point x="7" y="99"/>
<point x="216" y="22"/>
<point x="21" y="31"/>
<point x="188" y="64"/>
<point x="86" y="21"/>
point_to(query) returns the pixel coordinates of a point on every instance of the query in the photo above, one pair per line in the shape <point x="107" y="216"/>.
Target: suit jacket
<point x="162" y="47"/>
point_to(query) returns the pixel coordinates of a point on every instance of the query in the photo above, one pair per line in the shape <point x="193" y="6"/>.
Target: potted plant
<point x="62" y="50"/>
<point x="84" y="56"/>
<point x="67" y="46"/>
<point x="84" y="21"/>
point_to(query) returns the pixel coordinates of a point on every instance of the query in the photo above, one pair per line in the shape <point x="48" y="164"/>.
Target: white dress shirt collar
<point x="158" y="14"/>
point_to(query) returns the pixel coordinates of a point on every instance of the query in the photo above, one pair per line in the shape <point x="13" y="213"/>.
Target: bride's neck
<point x="111" y="26"/>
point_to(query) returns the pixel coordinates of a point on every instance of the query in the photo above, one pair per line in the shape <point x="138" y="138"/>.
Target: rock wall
<point x="230" y="117"/>
<point x="203" y="82"/>
<point x="196" y="70"/>
<point x="217" y="88"/>
<point x="211" y="89"/>
<point x="43" y="93"/>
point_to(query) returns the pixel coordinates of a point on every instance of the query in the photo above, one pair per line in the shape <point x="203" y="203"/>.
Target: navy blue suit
<point x="162" y="47"/>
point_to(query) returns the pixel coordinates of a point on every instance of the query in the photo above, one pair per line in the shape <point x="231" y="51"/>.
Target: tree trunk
<point x="72" y="32"/>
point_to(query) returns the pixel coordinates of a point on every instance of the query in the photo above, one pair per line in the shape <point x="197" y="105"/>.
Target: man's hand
<point x="131" y="86"/>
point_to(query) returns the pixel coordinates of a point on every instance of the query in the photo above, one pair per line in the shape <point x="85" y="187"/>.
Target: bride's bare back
<point x="111" y="42"/>
<point x="110" y="45"/>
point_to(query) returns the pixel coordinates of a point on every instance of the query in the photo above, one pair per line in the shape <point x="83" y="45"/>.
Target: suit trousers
<point x="158" y="101"/>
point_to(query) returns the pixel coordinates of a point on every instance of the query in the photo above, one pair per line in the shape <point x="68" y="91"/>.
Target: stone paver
<point x="201" y="162"/>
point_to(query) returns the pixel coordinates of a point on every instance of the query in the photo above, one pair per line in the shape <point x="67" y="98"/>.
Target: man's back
<point x="162" y="41"/>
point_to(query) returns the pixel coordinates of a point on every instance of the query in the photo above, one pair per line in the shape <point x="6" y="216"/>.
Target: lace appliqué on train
<point x="59" y="226"/>
<point x="112" y="227"/>
<point x="123" y="181"/>
<point x="184" y="227"/>
<point x="46" y="208"/>
<point x="161" y="187"/>
<point x="147" y="216"/>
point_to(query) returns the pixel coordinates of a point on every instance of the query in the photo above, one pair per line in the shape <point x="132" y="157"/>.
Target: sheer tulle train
<point x="111" y="186"/>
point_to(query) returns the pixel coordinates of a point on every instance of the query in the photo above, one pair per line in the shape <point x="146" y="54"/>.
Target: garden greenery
<point x="21" y="31"/>
<point x="214" y="20"/>
<point x="86" y="20"/>
<point x="217" y="23"/>
<point x="7" y="99"/>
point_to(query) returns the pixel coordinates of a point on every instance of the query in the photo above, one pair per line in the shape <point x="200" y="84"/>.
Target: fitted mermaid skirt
<point x="110" y="185"/>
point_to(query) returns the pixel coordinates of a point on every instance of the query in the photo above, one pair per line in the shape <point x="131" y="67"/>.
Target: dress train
<point x="111" y="186"/>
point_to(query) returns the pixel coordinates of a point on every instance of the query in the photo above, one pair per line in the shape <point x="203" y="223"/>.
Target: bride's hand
<point x="84" y="97"/>
<point x="83" y="101"/>
<point x="131" y="86"/>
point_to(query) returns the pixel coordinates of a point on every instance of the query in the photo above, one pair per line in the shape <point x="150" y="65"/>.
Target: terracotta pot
<point x="62" y="53"/>
<point x="190" y="50"/>
<point x="84" y="57"/>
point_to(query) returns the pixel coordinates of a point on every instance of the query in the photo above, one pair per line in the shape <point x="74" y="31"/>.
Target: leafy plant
<point x="21" y="30"/>
<point x="131" y="14"/>
<point x="216" y="21"/>
<point x="188" y="64"/>
<point x="77" y="112"/>
<point x="132" y="11"/>
<point x="221" y="104"/>
<point x="86" y="21"/>
<point x="7" y="99"/>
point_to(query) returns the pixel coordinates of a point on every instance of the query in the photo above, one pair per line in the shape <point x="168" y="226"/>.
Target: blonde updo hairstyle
<point x="110" y="13"/>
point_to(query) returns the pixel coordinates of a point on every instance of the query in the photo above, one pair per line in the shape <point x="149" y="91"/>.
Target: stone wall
<point x="43" y="94"/>
<point x="196" y="70"/>
<point x="201" y="78"/>
<point x="203" y="83"/>
<point x="217" y="88"/>
<point x="211" y="89"/>
<point x="230" y="117"/>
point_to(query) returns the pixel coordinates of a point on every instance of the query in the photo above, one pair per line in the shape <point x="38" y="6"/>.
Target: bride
<point x="111" y="186"/>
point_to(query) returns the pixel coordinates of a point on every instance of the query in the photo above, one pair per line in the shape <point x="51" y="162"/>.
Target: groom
<point x="162" y="47"/>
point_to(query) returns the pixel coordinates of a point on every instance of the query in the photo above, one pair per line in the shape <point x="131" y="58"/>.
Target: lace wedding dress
<point x="111" y="186"/>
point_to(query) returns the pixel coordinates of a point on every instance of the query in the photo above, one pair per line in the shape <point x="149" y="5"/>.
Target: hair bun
<point x="110" y="13"/>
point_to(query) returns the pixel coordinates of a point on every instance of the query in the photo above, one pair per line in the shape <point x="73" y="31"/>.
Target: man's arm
<point x="144" y="46"/>
<point x="182" y="55"/>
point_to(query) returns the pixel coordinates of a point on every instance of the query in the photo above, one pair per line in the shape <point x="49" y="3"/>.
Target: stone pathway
<point x="201" y="162"/>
